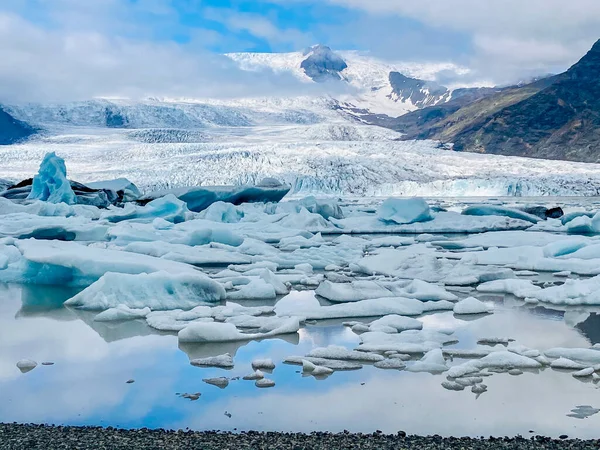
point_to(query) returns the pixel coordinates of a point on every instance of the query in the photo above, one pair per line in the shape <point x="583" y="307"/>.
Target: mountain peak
<point x="588" y="67"/>
<point x="323" y="64"/>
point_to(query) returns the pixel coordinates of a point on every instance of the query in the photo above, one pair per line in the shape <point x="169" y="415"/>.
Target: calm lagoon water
<point x="87" y="385"/>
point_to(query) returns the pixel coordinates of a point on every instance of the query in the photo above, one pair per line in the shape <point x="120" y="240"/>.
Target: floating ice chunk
<point x="507" y="360"/>
<point x="51" y="184"/>
<point x="26" y="365"/>
<point x="321" y="371"/>
<point x="419" y="289"/>
<point x="343" y="354"/>
<point x="494" y="210"/>
<point x="324" y="207"/>
<point x="392" y="364"/>
<point x="398" y="323"/>
<point x="516" y="287"/>
<point x="404" y="211"/>
<point x="272" y="279"/>
<point x="121" y="312"/>
<point x="158" y="291"/>
<point x="255" y="290"/>
<point x="124" y="189"/>
<point x="256" y="375"/>
<point x="469" y="381"/>
<point x="452" y="386"/>
<point x="432" y="362"/>
<point x="330" y="363"/>
<point x="310" y="308"/>
<point x="307" y="366"/>
<point x="581" y="355"/>
<point x="572" y="292"/>
<point x="226" y="332"/>
<point x="264" y="383"/>
<point x="479" y="389"/>
<point x="223" y="361"/>
<point x="352" y="292"/>
<point x="168" y="208"/>
<point x="263" y="363"/>
<point x="25" y="226"/>
<point x="222" y="212"/>
<point x="220" y="382"/>
<point x="407" y="342"/>
<point x="391" y="241"/>
<point x="564" y="247"/>
<point x="200" y="198"/>
<point x="583" y="373"/>
<point x="70" y="263"/>
<point x="471" y="305"/>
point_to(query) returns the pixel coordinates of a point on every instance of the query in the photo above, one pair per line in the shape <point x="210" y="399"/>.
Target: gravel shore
<point x="30" y="437"/>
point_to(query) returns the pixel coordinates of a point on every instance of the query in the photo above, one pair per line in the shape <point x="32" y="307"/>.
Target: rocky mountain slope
<point x="13" y="130"/>
<point x="553" y="118"/>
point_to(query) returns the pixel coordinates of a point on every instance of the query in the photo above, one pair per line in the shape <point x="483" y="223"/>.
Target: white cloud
<point x="39" y="64"/>
<point x="509" y="37"/>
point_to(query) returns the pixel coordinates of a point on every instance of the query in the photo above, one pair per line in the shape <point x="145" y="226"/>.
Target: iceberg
<point x="51" y="184"/>
<point x="33" y="261"/>
<point x="404" y="211"/>
<point x="200" y="198"/>
<point x="471" y="306"/>
<point x="199" y="332"/>
<point x="168" y="208"/>
<point x="493" y="210"/>
<point x="158" y="291"/>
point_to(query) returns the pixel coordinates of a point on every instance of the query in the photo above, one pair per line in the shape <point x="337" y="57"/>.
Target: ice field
<point x="436" y="314"/>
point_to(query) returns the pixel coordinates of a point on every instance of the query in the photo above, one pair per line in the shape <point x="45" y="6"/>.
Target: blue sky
<point x="136" y="43"/>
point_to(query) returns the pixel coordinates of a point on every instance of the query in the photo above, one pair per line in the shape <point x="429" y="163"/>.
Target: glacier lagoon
<point x="375" y="318"/>
<point x="87" y="384"/>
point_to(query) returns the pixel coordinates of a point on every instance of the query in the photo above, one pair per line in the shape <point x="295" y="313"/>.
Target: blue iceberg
<point x="493" y="210"/>
<point x="51" y="184"/>
<point x="404" y="211"/>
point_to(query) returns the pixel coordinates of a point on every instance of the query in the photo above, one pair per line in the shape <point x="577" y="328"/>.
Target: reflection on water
<point x="93" y="361"/>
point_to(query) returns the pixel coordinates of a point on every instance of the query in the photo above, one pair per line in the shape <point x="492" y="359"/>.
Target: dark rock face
<point x="13" y="130"/>
<point x="553" y="118"/>
<point x="419" y="92"/>
<point x="323" y="64"/>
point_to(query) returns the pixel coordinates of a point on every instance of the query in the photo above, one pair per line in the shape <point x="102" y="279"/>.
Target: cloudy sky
<point x="53" y="49"/>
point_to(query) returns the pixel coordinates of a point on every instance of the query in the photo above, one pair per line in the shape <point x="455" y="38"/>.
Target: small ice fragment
<point x="564" y="363"/>
<point x="307" y="366"/>
<point x="479" y="389"/>
<point x="452" y="386"/>
<point x="26" y="365"/>
<point x="471" y="305"/>
<point x="394" y="363"/>
<point x="47" y="363"/>
<point x="264" y="383"/>
<point x="321" y="371"/>
<point x="469" y="381"/>
<point x="223" y="361"/>
<point x="564" y="273"/>
<point x="587" y="372"/>
<point x="515" y="372"/>
<point x="256" y="375"/>
<point x="221" y="382"/>
<point x="264" y="364"/>
<point x="130" y="381"/>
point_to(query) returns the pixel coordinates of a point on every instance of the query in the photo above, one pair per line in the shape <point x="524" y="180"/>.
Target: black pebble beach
<point x="31" y="437"/>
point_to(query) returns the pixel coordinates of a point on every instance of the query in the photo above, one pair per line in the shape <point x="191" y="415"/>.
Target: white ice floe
<point x="404" y="211"/>
<point x="396" y="322"/>
<point x="392" y="364"/>
<point x="199" y="332"/>
<point x="514" y="286"/>
<point x="121" y="312"/>
<point x="471" y="305"/>
<point x="263" y="363"/>
<point x="256" y="375"/>
<point x="494" y="210"/>
<point x="583" y="373"/>
<point x="26" y="365"/>
<point x="158" y="291"/>
<point x="566" y="364"/>
<point x="432" y="362"/>
<point x="343" y="354"/>
<point x="581" y="355"/>
<point x="310" y="308"/>
<point x="407" y="342"/>
<point x="220" y="382"/>
<point x="334" y="364"/>
<point x="255" y="290"/>
<point x="264" y="383"/>
<point x="504" y="360"/>
<point x="224" y="361"/>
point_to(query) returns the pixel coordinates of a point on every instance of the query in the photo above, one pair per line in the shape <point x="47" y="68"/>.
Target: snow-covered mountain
<point x="379" y="87"/>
